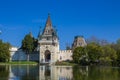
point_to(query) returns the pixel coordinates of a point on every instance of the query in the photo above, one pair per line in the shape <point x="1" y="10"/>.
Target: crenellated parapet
<point x="65" y="55"/>
<point x="66" y="51"/>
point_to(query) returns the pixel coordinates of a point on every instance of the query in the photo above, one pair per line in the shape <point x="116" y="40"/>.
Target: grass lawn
<point x="19" y="63"/>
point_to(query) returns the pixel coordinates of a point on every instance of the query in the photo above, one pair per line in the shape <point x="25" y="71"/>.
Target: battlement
<point x="65" y="51"/>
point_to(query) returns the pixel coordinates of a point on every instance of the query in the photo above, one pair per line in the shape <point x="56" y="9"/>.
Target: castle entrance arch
<point x="47" y="56"/>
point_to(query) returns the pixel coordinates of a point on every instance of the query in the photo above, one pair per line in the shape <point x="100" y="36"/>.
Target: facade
<point x="48" y="47"/>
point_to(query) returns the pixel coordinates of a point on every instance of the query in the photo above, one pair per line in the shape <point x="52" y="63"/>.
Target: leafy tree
<point x="116" y="47"/>
<point x="108" y="56"/>
<point x="94" y="52"/>
<point x="4" y="51"/>
<point x="28" y="45"/>
<point x="79" y="54"/>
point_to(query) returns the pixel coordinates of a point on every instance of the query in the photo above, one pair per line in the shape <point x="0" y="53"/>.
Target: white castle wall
<point x="16" y="55"/>
<point x="21" y="55"/>
<point x="65" y="55"/>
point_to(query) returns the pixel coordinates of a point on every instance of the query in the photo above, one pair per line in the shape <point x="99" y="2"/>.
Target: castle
<point x="48" y="47"/>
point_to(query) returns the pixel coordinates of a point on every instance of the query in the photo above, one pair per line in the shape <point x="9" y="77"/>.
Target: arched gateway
<point x="47" y="56"/>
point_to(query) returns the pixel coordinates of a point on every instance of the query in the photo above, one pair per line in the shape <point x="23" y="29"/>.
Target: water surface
<point x="30" y="72"/>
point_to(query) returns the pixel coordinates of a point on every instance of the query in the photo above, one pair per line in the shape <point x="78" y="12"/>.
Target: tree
<point x="94" y="52"/>
<point x="116" y="47"/>
<point x="108" y="56"/>
<point x="28" y="45"/>
<point x="4" y="51"/>
<point x="79" y="55"/>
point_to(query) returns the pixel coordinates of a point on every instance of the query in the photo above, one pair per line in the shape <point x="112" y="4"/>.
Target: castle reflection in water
<point x="41" y="72"/>
<point x="32" y="72"/>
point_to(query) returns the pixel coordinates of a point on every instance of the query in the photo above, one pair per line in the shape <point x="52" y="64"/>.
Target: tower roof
<point x="48" y="27"/>
<point x="48" y="22"/>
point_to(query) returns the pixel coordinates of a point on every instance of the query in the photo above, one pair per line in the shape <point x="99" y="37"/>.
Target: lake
<point x="32" y="72"/>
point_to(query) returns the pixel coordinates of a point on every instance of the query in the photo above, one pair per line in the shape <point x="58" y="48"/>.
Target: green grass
<point x="65" y="63"/>
<point x="19" y="63"/>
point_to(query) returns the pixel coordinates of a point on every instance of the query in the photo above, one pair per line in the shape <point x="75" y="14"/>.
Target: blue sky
<point x="100" y="18"/>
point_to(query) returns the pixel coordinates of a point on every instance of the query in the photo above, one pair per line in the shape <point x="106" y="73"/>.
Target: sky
<point x="99" y="18"/>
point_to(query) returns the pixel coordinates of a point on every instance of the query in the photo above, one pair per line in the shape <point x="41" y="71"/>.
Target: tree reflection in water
<point x="96" y="73"/>
<point x="4" y="72"/>
<point x="80" y="73"/>
<point x="25" y="72"/>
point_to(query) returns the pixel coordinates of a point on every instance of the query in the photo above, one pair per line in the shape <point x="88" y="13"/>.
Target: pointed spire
<point x="48" y="27"/>
<point x="48" y="23"/>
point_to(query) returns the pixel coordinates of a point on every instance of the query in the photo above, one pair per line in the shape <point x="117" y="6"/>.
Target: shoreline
<point x="19" y="63"/>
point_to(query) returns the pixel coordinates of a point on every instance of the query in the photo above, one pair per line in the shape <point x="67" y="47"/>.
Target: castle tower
<point x="79" y="41"/>
<point x="48" y="43"/>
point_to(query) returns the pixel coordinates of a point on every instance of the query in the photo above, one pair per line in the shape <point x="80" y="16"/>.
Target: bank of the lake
<point x="65" y="64"/>
<point x="19" y="63"/>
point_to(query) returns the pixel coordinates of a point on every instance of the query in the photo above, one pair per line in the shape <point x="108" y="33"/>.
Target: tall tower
<point x="48" y="43"/>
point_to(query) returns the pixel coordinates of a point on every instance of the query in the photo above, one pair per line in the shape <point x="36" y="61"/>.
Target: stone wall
<point x="19" y="55"/>
<point x="65" y="55"/>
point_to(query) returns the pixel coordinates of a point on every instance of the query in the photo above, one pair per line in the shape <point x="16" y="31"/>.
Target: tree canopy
<point x="78" y="54"/>
<point x="96" y="54"/>
<point x="28" y="44"/>
<point x="4" y="51"/>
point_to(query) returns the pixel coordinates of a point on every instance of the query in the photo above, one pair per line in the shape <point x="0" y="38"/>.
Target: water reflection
<point x="4" y="72"/>
<point x="29" y="72"/>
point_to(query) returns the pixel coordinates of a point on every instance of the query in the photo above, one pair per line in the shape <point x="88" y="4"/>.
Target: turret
<point x="79" y="41"/>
